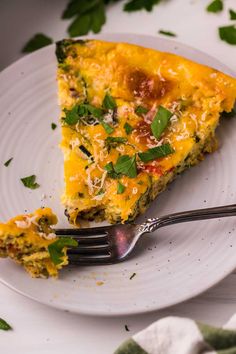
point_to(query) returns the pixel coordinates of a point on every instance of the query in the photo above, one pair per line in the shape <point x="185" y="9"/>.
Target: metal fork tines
<point x="94" y="247"/>
<point x="112" y="244"/>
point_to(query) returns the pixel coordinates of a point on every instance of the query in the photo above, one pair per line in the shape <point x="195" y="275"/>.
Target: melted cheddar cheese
<point x="132" y="76"/>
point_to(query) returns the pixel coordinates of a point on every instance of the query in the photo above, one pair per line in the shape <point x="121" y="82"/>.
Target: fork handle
<point x="185" y="216"/>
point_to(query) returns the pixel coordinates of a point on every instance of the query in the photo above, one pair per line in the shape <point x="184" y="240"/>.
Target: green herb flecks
<point x="30" y="182"/>
<point x="37" y="42"/>
<point x="140" y="110"/>
<point x="232" y="14"/>
<point x="156" y="153"/>
<point x="231" y="114"/>
<point x="128" y="128"/>
<point x="53" y="126"/>
<point x="4" y="325"/>
<point x="7" y="163"/>
<point x="126" y="165"/>
<point x="132" y="276"/>
<point x="160" y="121"/>
<point x="167" y="33"/>
<point x="113" y="142"/>
<point x="56" y="249"/>
<point x="135" y="5"/>
<point x="111" y="172"/>
<point x="88" y="16"/>
<point x="215" y="6"/>
<point x="109" y="102"/>
<point x="228" y="34"/>
<point x="120" y="188"/>
<point x="71" y="116"/>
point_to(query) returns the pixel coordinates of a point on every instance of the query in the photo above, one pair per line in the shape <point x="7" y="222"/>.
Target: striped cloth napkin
<point x="176" y="335"/>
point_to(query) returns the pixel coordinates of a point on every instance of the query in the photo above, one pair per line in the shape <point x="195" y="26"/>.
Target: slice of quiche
<point x="132" y="119"/>
<point x="30" y="241"/>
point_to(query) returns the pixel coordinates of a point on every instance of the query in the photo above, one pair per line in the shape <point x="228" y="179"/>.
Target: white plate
<point x="172" y="265"/>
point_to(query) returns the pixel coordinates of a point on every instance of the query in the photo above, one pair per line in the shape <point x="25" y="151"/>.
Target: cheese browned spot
<point x="147" y="87"/>
<point x="132" y="76"/>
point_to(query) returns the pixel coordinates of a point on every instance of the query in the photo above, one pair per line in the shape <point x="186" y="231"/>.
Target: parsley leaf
<point x="228" y="34"/>
<point x="30" y="182"/>
<point x="75" y="7"/>
<point x="156" y="153"/>
<point x="109" y="102"/>
<point x="53" y="126"/>
<point x="37" y="42"/>
<point x="160" y="121"/>
<point x="140" y="110"/>
<point x="110" y="171"/>
<point x="135" y="5"/>
<point x="113" y="141"/>
<point x="55" y="249"/>
<point x="7" y="163"/>
<point x="89" y="15"/>
<point x="215" y="6"/>
<point x="107" y="127"/>
<point x="232" y="14"/>
<point x="126" y="165"/>
<point x="128" y="128"/>
<point x="120" y="188"/>
<point x="71" y="116"/>
<point x="4" y="325"/>
<point x="167" y="33"/>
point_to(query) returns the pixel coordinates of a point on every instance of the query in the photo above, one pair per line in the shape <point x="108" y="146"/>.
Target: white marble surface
<point x="37" y="328"/>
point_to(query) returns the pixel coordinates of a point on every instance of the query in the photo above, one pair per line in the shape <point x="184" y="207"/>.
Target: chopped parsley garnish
<point x="228" y="34"/>
<point x="37" y="42"/>
<point x="126" y="165"/>
<point x="135" y="5"/>
<point x="120" y="188"/>
<point x="71" y="116"/>
<point x="55" y="249"/>
<point x="53" y="126"/>
<point x="4" y="325"/>
<point x="87" y="112"/>
<point x="140" y="110"/>
<point x="128" y="128"/>
<point x="113" y="142"/>
<point x="89" y="15"/>
<point x="215" y="6"/>
<point x="7" y="163"/>
<point x="109" y="102"/>
<point x="160" y="121"/>
<point x="232" y="14"/>
<point x="30" y="182"/>
<point x="107" y="127"/>
<point x="167" y="33"/>
<point x="110" y="171"/>
<point x="156" y="153"/>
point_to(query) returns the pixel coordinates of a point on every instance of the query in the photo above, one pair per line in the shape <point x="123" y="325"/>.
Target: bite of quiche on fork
<point x="31" y="241"/>
<point x="132" y="119"/>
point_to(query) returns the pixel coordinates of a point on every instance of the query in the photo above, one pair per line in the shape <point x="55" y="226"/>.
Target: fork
<point x="113" y="244"/>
